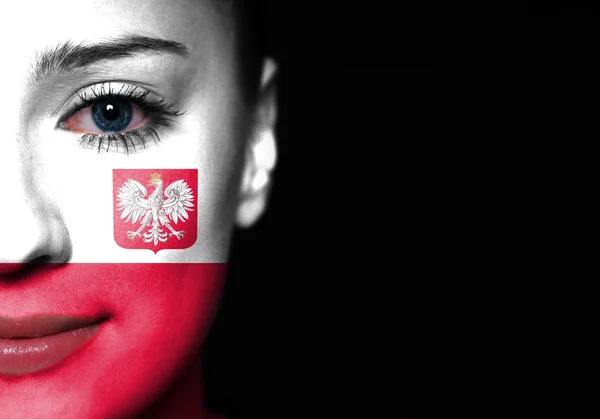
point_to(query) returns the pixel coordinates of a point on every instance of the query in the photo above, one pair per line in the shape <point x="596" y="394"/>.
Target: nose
<point x="31" y="227"/>
<point x="30" y="233"/>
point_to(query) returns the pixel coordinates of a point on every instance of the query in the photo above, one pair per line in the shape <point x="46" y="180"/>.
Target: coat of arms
<point x="159" y="219"/>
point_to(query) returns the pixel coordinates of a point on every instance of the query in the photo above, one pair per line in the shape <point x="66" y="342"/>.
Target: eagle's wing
<point x="179" y="201"/>
<point x="131" y="201"/>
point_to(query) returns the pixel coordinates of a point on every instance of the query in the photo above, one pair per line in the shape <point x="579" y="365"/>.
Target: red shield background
<point x="120" y="176"/>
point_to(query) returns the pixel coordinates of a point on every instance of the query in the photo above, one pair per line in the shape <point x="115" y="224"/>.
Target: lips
<point x="34" y="344"/>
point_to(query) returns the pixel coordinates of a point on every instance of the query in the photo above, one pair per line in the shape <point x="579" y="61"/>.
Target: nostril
<point x="9" y="268"/>
<point x="17" y="271"/>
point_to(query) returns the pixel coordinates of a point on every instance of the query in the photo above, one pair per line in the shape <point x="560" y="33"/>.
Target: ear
<point x="261" y="151"/>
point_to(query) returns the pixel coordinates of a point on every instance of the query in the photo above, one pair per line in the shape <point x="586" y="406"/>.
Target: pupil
<point x="110" y="112"/>
<point x="112" y="115"/>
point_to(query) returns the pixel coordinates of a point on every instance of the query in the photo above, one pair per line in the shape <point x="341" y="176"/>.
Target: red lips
<point x="29" y="345"/>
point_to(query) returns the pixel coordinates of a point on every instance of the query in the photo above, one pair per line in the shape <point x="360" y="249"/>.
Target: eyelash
<point x="160" y="113"/>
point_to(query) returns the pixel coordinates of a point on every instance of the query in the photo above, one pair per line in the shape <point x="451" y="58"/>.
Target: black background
<point x="437" y="165"/>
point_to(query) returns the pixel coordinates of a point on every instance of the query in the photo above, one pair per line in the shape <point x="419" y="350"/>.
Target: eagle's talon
<point x="178" y="234"/>
<point x="132" y="234"/>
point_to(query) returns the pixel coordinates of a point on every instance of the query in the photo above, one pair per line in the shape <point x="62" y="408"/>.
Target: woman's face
<point x="88" y="92"/>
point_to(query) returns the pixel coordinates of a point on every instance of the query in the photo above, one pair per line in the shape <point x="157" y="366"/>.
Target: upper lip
<point x="38" y="326"/>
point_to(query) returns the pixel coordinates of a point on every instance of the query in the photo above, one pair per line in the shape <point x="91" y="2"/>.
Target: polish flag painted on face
<point x="109" y="291"/>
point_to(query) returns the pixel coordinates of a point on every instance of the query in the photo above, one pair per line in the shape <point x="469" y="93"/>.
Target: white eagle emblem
<point x="156" y="211"/>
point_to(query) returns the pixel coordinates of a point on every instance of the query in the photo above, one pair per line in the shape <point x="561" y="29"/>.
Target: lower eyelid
<point x="126" y="142"/>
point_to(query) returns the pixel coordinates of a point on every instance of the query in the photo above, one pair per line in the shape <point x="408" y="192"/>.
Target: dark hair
<point x="248" y="17"/>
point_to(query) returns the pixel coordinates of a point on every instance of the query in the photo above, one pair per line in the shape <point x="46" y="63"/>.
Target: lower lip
<point x="31" y="355"/>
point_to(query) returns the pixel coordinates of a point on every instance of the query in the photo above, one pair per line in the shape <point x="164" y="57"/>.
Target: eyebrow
<point x="68" y="56"/>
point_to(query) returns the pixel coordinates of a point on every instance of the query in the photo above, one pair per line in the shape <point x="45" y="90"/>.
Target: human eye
<point x="118" y="116"/>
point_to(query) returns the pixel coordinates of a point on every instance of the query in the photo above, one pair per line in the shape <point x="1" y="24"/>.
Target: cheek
<point x="161" y="316"/>
<point x="162" y="303"/>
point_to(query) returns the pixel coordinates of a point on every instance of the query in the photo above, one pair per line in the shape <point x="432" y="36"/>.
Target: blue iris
<point x="112" y="115"/>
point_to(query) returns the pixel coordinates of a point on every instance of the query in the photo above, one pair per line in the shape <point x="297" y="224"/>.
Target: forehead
<point x="31" y="27"/>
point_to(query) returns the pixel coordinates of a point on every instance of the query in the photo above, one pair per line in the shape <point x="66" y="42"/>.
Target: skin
<point x="57" y="204"/>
